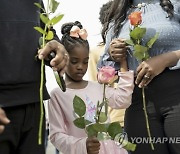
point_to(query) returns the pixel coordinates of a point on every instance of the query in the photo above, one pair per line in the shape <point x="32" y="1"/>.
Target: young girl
<point x="64" y="135"/>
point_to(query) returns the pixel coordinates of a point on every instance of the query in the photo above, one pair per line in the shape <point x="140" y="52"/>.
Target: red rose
<point x="135" y="18"/>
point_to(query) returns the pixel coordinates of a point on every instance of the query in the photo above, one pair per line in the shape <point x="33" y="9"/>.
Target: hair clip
<point x="77" y="32"/>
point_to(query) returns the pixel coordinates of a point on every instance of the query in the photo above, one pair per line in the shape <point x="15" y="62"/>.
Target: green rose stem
<point x="103" y="102"/>
<point x="141" y="53"/>
<point x="41" y="95"/>
<point x="146" y="118"/>
<point x="47" y="35"/>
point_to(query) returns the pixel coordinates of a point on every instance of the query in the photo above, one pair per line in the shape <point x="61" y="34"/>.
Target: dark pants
<point x="21" y="135"/>
<point x="163" y="106"/>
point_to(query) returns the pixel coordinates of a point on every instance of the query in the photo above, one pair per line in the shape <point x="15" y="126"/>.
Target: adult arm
<point x="154" y="66"/>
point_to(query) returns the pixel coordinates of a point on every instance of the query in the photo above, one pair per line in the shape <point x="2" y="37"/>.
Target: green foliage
<point x="79" y="122"/>
<point x="129" y="146"/>
<point x="79" y="106"/>
<point x="103" y="136"/>
<point x="49" y="36"/>
<point x="91" y="131"/>
<point x="152" y="40"/>
<point x="44" y="18"/>
<point x="140" y="52"/>
<point x="137" y="33"/>
<point x="102" y="129"/>
<point x="59" y="80"/>
<point x="114" y="129"/>
<point x="136" y="36"/>
<point x="102" y="117"/>
<point x="129" y="42"/>
<point x="38" y="5"/>
<point x="56" y="19"/>
<point x="40" y="30"/>
<point x="53" y="5"/>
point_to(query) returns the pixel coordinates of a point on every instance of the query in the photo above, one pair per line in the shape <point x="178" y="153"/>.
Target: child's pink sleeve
<point x="120" y="97"/>
<point x="59" y="137"/>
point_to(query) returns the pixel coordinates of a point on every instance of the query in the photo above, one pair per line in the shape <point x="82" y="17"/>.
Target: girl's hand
<point x="92" y="145"/>
<point x="118" y="50"/>
<point x="60" y="61"/>
<point x="150" y="68"/>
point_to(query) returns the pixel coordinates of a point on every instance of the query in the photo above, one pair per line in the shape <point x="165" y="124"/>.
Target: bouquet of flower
<point x="98" y="125"/>
<point x="140" y="51"/>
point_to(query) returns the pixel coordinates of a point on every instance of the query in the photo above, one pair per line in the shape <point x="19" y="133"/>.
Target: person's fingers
<point x="3" y="118"/>
<point x="118" y="45"/>
<point x="60" y="56"/>
<point x="94" y="148"/>
<point x="139" y="68"/>
<point x="140" y="76"/>
<point x="93" y="152"/>
<point x="118" y="40"/>
<point x="60" y="59"/>
<point x="64" y="66"/>
<point x="53" y="46"/>
<point x="58" y="64"/>
<point x="146" y="78"/>
<point x="1" y="128"/>
<point x="49" y="47"/>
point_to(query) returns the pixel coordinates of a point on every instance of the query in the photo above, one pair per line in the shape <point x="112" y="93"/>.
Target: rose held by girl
<point x="106" y="74"/>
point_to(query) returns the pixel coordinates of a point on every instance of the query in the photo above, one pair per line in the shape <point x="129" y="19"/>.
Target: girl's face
<point x="78" y="63"/>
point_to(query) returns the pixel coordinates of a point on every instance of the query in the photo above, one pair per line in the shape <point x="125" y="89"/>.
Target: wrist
<point x="123" y="66"/>
<point x="170" y="59"/>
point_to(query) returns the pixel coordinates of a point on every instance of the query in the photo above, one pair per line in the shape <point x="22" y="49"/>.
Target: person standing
<point x="20" y="75"/>
<point x="64" y="135"/>
<point x="159" y="75"/>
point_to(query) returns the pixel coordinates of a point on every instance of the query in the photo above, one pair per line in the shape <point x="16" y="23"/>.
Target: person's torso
<point x="155" y="20"/>
<point x="19" y="70"/>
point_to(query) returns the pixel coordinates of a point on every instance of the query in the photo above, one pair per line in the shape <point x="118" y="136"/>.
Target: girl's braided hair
<point x="118" y="13"/>
<point x="72" y="42"/>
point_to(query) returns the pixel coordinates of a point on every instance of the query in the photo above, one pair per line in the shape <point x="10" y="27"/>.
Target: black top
<point x="19" y="71"/>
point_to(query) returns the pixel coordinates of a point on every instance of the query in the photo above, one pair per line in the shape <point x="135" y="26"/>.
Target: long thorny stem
<point x="146" y="118"/>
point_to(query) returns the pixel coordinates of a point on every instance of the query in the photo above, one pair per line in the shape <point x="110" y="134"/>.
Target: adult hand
<point x="150" y="68"/>
<point x="92" y="145"/>
<point x="118" y="50"/>
<point x="3" y="120"/>
<point x="60" y="61"/>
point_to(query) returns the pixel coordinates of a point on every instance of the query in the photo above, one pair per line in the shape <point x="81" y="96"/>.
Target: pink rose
<point x="106" y="74"/>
